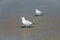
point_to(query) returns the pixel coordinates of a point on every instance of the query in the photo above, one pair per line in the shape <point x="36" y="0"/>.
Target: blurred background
<point x="46" y="27"/>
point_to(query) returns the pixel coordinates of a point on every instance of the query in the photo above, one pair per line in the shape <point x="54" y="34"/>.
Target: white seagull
<point x="38" y="12"/>
<point x="26" y="22"/>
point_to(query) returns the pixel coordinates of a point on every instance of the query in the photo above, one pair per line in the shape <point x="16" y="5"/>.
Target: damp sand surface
<point x="46" y="27"/>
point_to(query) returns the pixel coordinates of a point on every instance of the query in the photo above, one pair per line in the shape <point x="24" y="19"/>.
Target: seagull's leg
<point x="26" y="26"/>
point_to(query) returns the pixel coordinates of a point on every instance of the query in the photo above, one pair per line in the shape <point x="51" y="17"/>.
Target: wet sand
<point x="46" y="27"/>
<point x="42" y="29"/>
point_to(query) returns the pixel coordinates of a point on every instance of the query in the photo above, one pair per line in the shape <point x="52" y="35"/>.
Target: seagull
<point x="38" y="12"/>
<point x="26" y="22"/>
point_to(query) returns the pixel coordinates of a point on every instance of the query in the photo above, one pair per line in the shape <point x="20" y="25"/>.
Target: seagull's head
<point x="23" y="18"/>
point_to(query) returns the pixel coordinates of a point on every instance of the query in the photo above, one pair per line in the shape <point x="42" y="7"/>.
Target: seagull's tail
<point x="30" y="23"/>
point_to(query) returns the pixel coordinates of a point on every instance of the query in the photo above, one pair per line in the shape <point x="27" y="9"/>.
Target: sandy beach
<point x="46" y="27"/>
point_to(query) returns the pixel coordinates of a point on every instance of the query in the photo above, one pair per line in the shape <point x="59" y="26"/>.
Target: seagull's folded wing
<point x="28" y="22"/>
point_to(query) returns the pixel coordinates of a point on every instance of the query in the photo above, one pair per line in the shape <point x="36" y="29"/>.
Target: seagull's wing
<point x="38" y="11"/>
<point x="28" y="22"/>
